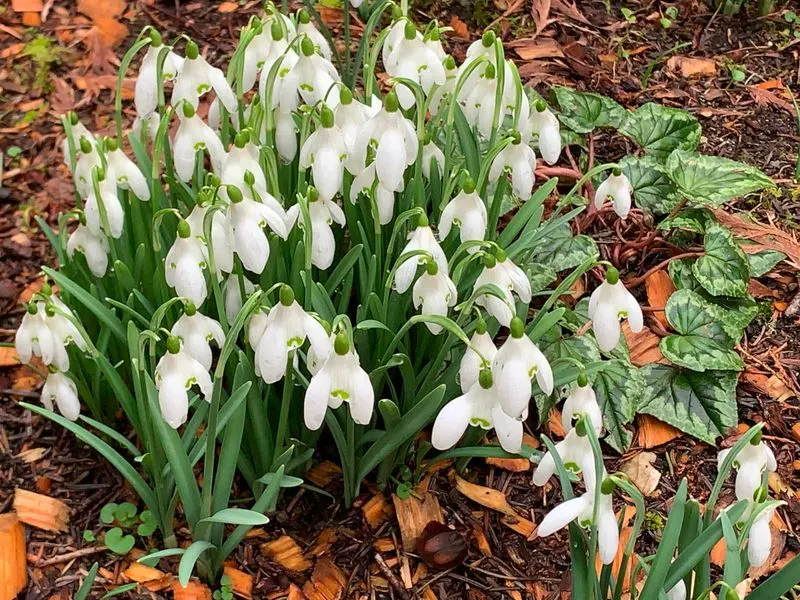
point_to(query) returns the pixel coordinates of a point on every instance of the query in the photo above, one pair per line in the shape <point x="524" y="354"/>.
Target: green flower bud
<point x="540" y="105"/>
<point x="312" y="194"/>
<point x="517" y="327"/>
<point x="192" y="51"/>
<point x="580" y="428"/>
<point x="287" y="295"/>
<point x="73" y="118"/>
<point x="431" y="268"/>
<point x="326" y="117"/>
<point x="422" y="220"/>
<point x="276" y="30"/>
<point x="756" y="439"/>
<point x="396" y="12"/>
<point x="489" y="261"/>
<point x="488" y="39"/>
<point x="307" y="46"/>
<point x="449" y="63"/>
<point x="242" y="138"/>
<point x="110" y="144"/>
<point x="173" y="344"/>
<point x="485" y="379"/>
<point x="391" y="103"/>
<point x="607" y="487"/>
<point x="517" y="137"/>
<point x="304" y="17"/>
<point x="612" y="275"/>
<point x="249" y="178"/>
<point x="435" y="35"/>
<point x="235" y="194"/>
<point x="468" y="185"/>
<point x="100" y="172"/>
<point x="489" y="72"/>
<point x="46" y="288"/>
<point x="341" y="344"/>
<point x="480" y="326"/>
<point x="582" y="381"/>
<point x="184" y="231"/>
<point x="50" y="309"/>
<point x="32" y="308"/>
<point x="500" y="254"/>
<point x="616" y="171"/>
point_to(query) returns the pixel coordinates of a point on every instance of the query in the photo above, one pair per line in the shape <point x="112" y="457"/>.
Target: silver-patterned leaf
<point x="561" y="250"/>
<point x="619" y="387"/>
<point x="653" y="190"/>
<point x="584" y="111"/>
<point x="659" y="129"/>
<point x="723" y="270"/>
<point x="700" y="353"/>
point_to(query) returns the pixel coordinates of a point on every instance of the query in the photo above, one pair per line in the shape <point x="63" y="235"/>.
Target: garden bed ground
<point x="731" y="73"/>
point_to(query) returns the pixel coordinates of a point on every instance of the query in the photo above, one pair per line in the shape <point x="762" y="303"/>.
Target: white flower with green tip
<point x="196" y="331"/>
<point x="61" y="389"/>
<point x="145" y="94"/>
<point x="421" y="238"/>
<point x="617" y="187"/>
<point x="196" y="77"/>
<point x="194" y="135"/>
<point x="433" y="293"/>
<point x="176" y="373"/>
<point x="185" y="265"/>
<point x="610" y="303"/>
<point x="94" y="248"/>
<point x="322" y="213"/>
<point x="503" y="273"/>
<point x="325" y="152"/>
<point x="468" y="212"/>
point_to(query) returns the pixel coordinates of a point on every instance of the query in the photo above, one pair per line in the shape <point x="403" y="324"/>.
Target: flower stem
<point x="286" y="400"/>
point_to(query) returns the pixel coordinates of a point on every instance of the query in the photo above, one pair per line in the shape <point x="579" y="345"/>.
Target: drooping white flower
<point x="341" y="379"/>
<point x="609" y="303"/>
<point x="479" y="101"/>
<point x="285" y="329"/>
<point x="285" y="135"/>
<point x="412" y="58"/>
<point x="546" y="125"/>
<point x="582" y="401"/>
<point x="678" y="591"/>
<point x="196" y="77"/>
<point x="759" y="543"/>
<point x="185" y="264"/>
<point x="145" y="96"/>
<point x="88" y="160"/>
<point x="318" y="353"/>
<point x="94" y="248"/>
<point x="176" y="373"/>
<point x="125" y="172"/>
<point x="479" y="407"/>
<point x="517" y="362"/>
<point x="316" y="76"/>
<point x="753" y="460"/>
<point x="106" y="201"/>
<point x="266" y="46"/>
<point x="576" y="455"/>
<point x="220" y="236"/>
<point x="479" y="355"/>
<point x="61" y="389"/>
<point x="433" y="293"/>
<point x="432" y="156"/>
<point x="35" y="338"/>
<point x="395" y="142"/>
<point x="421" y="238"/>
<point x="325" y="151"/>
<point x="192" y="136"/>
<point x="519" y="158"/>
<point x="246" y="220"/>
<point x="619" y="188"/>
<point x="233" y="295"/>
<point x="468" y="212"/>
<point x="350" y="116"/>
<point x="77" y="131"/>
<point x="322" y="213"/>
<point x="146" y="126"/>
<point x="367" y="181"/>
<point x="502" y="272"/>
<point x="582" y="509"/>
<point x="196" y="331"/>
<point x="306" y="26"/>
<point x="441" y="94"/>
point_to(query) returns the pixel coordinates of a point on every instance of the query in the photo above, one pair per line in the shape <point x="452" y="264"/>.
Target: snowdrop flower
<point x="233" y="295"/>
<point x="520" y="160"/>
<point x="246" y="220"/>
<point x="350" y="116"/>
<point x="753" y="460"/>
<point x="545" y="124"/>
<point x="269" y="43"/>
<point x="176" y="373"/>
<point x="145" y="96"/>
<point x="341" y="379"/>
<point x="759" y="543"/>
<point x="468" y="212"/>
<point x="125" y="172"/>
<point x="77" y="131"/>
<point x="93" y="247"/>
<point x="194" y="135"/>
<point x="364" y="183"/>
<point x="88" y="159"/>
<point x="503" y="273"/>
<point x="678" y="591"/>
<point x="285" y="329"/>
<point x="478" y="407"/>
<point x="431" y="155"/>
<point x="582" y="508"/>
<point x="146" y="124"/>
<point x="196" y="332"/>
<point x="325" y="151"/>
<point x="220" y="237"/>
<point x="185" y="264"/>
<point x="478" y="99"/>
<point x="433" y="40"/>
<point x="285" y="135"/>
<point x="517" y="362"/>
<point x="114" y="213"/>
<point x="609" y="303"/>
<point x="479" y="355"/>
<point x="576" y="455"/>
<point x="306" y="26"/>
<point x="433" y="293"/>
<point x="582" y="401"/>
<point x="420" y="239"/>
<point x="319" y="352"/>
<point x="323" y="213"/>
<point x="395" y="142"/>
<point x="619" y="188"/>
<point x="412" y="58"/>
<point x="315" y="76"/>
<point x="197" y="77"/>
<point x="35" y="338"/>
<point x="61" y="389"/>
<point x="440" y="95"/>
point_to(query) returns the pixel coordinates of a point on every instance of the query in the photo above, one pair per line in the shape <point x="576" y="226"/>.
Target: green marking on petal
<point x="478" y="422"/>
<point x="294" y="342"/>
<point x="203" y="88"/>
<point x="341" y="395"/>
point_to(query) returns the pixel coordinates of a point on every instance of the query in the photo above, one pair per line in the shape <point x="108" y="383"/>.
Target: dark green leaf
<point x="691" y="219"/>
<point x="763" y="262"/>
<point x="659" y="130"/>
<point x="690" y="314"/>
<point x="86" y="586"/>
<point x="680" y="271"/>
<point x="652" y="188"/>
<point x="584" y="111"/>
<point x="700" y="353"/>
<point x="779" y="583"/>
<point x="723" y="270"/>
<point x="659" y="568"/>
<point x="540" y="276"/>
<point x="619" y="387"/>
<point x="714" y="180"/>
<point x="189" y="558"/>
<point x="700" y="404"/>
<point x="561" y="250"/>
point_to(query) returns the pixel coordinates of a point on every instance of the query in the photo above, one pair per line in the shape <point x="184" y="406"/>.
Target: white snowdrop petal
<point x="451" y="423"/>
<point x="562" y="515"/>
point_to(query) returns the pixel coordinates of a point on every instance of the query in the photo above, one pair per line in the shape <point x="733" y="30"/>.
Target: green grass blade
<point x="189" y="559"/>
<point x="666" y="549"/>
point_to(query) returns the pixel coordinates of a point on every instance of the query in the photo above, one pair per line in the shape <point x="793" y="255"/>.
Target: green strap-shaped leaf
<point x="724" y="269"/>
<point x="659" y="129"/>
<point x="189" y="559"/>
<point x="666" y="547"/>
<point x="780" y="583"/>
<point x="237" y="516"/>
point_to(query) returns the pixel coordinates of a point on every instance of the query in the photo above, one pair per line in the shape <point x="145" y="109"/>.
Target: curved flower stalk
<point x="325" y="152"/>
<point x="412" y="58"/>
<point x="499" y="270"/>
<point x="196" y="77"/>
<point x="468" y="212"/>
<point x="433" y="293"/>
<point x="617" y="187"/>
<point x="61" y="390"/>
<point x="146" y="88"/>
<point x="196" y="332"/>
<point x="176" y="373"/>
<point x="192" y="136"/>
<point x="340" y="379"/>
<point x="609" y="303"/>
<point x="284" y="329"/>
<point x="322" y="213"/>
<point x="517" y="363"/>
<point x="94" y="248"/>
<point x="421" y="238"/>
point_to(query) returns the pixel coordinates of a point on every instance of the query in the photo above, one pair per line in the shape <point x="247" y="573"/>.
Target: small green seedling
<point x="669" y="17"/>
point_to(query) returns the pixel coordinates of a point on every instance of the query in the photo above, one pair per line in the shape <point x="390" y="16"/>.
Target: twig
<point x="70" y="556"/>
<point x="637" y="281"/>
<point x="393" y="580"/>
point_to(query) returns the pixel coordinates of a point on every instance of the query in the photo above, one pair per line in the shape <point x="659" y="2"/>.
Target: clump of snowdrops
<point x="287" y="248"/>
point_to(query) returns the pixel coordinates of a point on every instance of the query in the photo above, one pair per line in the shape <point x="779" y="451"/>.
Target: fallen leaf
<point x="227" y="7"/>
<point x="569" y="9"/>
<point x="659" y="288"/>
<point x="651" y="432"/>
<point x="105" y="15"/>
<point x="9" y="357"/>
<point x="485" y="496"/>
<point x="764" y="97"/>
<point x="642" y="473"/>
<point x="540" y="11"/>
<point x="554" y="424"/>
<point x="773" y="386"/>
<point x="529" y="49"/>
<point x="765" y="237"/>
<point x="460" y="28"/>
<point x="688" y="66"/>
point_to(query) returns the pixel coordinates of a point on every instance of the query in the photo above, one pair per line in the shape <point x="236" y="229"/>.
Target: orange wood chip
<point x="142" y="573"/>
<point x="652" y="432"/>
<point x="27" y="5"/>
<point x="38" y="510"/>
<point x="323" y="473"/>
<point x="554" y="426"/>
<point x="193" y="591"/>
<point x="429" y="594"/>
<point x="415" y="512"/>
<point x="241" y="582"/>
<point x="515" y="465"/>
<point x="13" y="571"/>
<point x="521" y="525"/>
<point x="377" y="510"/>
<point x="9" y="357"/>
<point x="323" y="543"/>
<point x="327" y="581"/>
<point x="287" y="553"/>
<point x="295" y="593"/>
<point x="481" y="541"/>
<point x="485" y="496"/>
<point x="384" y="544"/>
<point x="643" y="346"/>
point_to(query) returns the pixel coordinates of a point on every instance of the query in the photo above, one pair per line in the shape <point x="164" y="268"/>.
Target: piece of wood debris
<point x="141" y="573"/>
<point x="377" y="510"/>
<point x="295" y="593"/>
<point x="773" y="386"/>
<point x="384" y="544"/>
<point x="194" y="590"/>
<point x="32" y="455"/>
<point x="525" y="527"/>
<point x="485" y="496"/>
<point x="323" y="473"/>
<point x="642" y="473"/>
<point x="325" y="539"/>
<point x="643" y="347"/>
<point x="415" y="512"/>
<point x="287" y="553"/>
<point x="651" y="432"/>
<point x="9" y="357"/>
<point x="554" y="425"/>
<point x="515" y="465"/>
<point x="659" y="288"/>
<point x="241" y="582"/>
<point x="481" y="541"/>
<point x="688" y="66"/>
<point x="13" y="567"/>
<point x="40" y="511"/>
<point x="429" y="594"/>
<point x="327" y="581"/>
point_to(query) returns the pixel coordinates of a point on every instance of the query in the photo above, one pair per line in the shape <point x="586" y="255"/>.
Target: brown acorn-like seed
<point x="441" y="547"/>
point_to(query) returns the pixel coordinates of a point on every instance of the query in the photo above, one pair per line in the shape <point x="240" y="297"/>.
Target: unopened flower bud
<point x="235" y="194"/>
<point x="345" y="95"/>
<point x="287" y="295"/>
<point x="86" y="145"/>
<point x="192" y="51"/>
<point x="155" y="38"/>
<point x="189" y="309"/>
<point x="410" y="31"/>
<point x="173" y="344"/>
<point x="188" y="110"/>
<point x="341" y="344"/>
<point x="276" y="30"/>
<point x="431" y="268"/>
<point x="485" y="379"/>
<point x="488" y="39"/>
<point x="607" y="487"/>
<point x="304" y="17"/>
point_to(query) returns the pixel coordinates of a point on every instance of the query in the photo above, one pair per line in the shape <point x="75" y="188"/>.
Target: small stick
<point x="393" y="580"/>
<point x="70" y="555"/>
